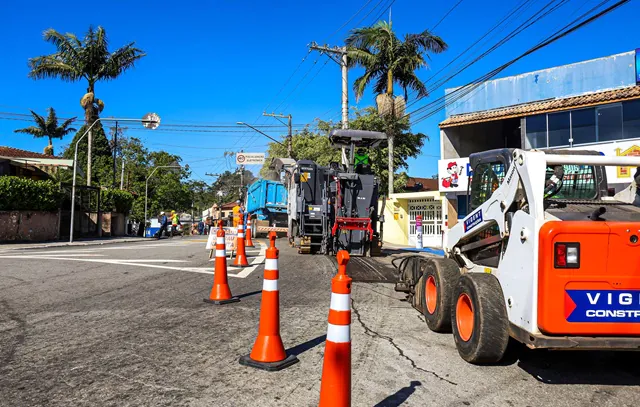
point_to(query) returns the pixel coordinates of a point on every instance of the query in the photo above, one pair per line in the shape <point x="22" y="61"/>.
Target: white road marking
<point x="58" y="255"/>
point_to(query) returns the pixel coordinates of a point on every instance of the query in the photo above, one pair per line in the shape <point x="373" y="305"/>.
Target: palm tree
<point x="388" y="60"/>
<point x="87" y="59"/>
<point x="48" y="128"/>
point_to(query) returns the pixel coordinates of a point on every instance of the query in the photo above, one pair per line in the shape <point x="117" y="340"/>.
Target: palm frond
<point x="52" y="119"/>
<point x="33" y="130"/>
<point x="40" y="121"/>
<point x="361" y="83"/>
<point x="67" y="48"/>
<point x="361" y="57"/>
<point x="427" y="41"/>
<point x="52" y="66"/>
<point x="120" y="61"/>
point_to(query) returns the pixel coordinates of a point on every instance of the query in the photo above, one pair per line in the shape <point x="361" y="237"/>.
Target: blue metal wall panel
<point x="611" y="72"/>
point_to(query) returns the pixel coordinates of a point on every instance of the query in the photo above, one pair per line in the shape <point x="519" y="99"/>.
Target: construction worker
<point x="175" y="221"/>
<point x="164" y="223"/>
<point x="236" y="214"/>
<point x="361" y="157"/>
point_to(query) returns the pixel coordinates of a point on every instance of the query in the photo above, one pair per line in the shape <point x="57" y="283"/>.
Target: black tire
<point x="488" y="339"/>
<point x="444" y="274"/>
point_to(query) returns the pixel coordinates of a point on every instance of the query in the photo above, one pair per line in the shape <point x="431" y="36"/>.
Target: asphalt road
<point x="125" y="324"/>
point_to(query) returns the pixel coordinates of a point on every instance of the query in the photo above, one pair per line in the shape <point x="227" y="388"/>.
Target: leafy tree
<point x="228" y="183"/>
<point x="48" y="128"/>
<point x="101" y="154"/>
<point x="388" y="60"/>
<point x="85" y="59"/>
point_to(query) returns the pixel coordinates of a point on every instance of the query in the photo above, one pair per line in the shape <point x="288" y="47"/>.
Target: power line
<point x="566" y="30"/>
<point x="446" y="15"/>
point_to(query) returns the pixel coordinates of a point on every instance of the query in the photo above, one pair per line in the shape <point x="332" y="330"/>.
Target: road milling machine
<point x="336" y="207"/>
<point x="548" y="256"/>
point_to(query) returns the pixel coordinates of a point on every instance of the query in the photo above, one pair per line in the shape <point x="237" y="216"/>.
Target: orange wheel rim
<point x="432" y="294"/>
<point x="464" y="317"/>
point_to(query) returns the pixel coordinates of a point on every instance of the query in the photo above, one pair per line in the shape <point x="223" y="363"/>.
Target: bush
<point x="116" y="200"/>
<point x="23" y="194"/>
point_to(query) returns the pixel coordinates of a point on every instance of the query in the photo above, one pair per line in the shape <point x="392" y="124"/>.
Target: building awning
<point x="544" y="106"/>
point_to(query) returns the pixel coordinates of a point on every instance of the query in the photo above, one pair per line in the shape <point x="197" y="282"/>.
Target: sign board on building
<point x="249" y="158"/>
<point x="454" y="174"/>
<point x="616" y="175"/>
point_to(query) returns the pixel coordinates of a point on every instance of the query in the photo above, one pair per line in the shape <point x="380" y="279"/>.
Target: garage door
<point x="431" y="212"/>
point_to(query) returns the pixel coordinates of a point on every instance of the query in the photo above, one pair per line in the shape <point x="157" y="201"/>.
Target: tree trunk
<point x="390" y="137"/>
<point x="88" y="119"/>
<point x="51" y="144"/>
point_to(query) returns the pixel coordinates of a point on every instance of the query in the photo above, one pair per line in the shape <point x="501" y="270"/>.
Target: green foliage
<point x="87" y="58"/>
<point x="115" y="200"/>
<point x="228" y="184"/>
<point x="101" y="155"/>
<point x="388" y="60"/>
<point x="23" y="194"/>
<point x="48" y="128"/>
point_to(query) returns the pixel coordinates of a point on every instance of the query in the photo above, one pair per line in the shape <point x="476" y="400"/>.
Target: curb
<point x="80" y="244"/>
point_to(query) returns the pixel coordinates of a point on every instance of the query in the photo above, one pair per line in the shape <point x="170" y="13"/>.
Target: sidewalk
<point x="431" y="250"/>
<point x="78" y="242"/>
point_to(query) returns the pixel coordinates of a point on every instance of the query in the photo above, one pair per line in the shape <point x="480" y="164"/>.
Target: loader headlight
<point x="566" y="255"/>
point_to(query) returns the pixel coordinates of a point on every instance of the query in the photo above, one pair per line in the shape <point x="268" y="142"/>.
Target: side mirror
<point x="296" y="178"/>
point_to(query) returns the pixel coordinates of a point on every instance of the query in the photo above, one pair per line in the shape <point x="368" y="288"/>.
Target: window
<point x="487" y="177"/>
<point x="609" y="122"/>
<point x="537" y="131"/>
<point x="579" y="182"/>
<point x="559" y="129"/>
<point x="583" y="125"/>
<point x="631" y="117"/>
<point x="463" y="201"/>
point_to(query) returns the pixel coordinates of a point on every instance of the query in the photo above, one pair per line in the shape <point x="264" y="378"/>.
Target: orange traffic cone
<point x="220" y="292"/>
<point x="335" y="388"/>
<point x="268" y="351"/>
<point x="241" y="255"/>
<point x="248" y="242"/>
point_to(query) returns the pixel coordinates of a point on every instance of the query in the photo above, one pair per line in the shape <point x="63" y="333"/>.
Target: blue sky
<point x="226" y="61"/>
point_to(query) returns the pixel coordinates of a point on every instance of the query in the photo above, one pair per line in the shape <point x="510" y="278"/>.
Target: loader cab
<point x="488" y="169"/>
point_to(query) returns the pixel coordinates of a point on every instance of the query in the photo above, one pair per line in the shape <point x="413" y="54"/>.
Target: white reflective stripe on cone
<point x="340" y="302"/>
<point x="271" y="264"/>
<point x="221" y="253"/>
<point x="220" y="240"/>
<point x="240" y="234"/>
<point x="339" y="333"/>
<point x="269" y="285"/>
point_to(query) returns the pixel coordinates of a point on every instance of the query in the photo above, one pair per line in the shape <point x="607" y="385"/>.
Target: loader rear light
<point x="566" y="255"/>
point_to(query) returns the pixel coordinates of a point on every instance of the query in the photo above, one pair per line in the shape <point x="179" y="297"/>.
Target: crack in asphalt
<point x="6" y="309"/>
<point x="370" y="332"/>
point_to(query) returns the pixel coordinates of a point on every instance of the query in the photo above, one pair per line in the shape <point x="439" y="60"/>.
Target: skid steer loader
<point x="545" y="256"/>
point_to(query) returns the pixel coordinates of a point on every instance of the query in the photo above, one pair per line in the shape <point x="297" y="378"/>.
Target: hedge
<point x="115" y="200"/>
<point x="24" y="194"/>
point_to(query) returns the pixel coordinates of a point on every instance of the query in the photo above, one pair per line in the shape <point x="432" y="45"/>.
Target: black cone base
<point x="222" y="302"/>
<point x="269" y="366"/>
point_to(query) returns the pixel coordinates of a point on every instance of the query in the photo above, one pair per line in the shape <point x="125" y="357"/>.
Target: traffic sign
<point x="249" y="158"/>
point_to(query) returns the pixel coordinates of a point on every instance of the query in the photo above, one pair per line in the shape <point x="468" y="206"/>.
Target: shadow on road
<point x="249" y="294"/>
<point x="303" y="347"/>
<point x="400" y="396"/>
<point x="576" y="367"/>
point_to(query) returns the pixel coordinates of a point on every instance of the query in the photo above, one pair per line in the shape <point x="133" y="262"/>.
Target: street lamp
<point x="150" y="121"/>
<point x="146" y="188"/>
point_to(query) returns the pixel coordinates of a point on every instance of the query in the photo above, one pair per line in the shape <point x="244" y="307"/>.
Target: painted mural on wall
<point x="454" y="174"/>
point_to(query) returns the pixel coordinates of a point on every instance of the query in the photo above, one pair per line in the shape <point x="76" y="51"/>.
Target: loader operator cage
<point x="579" y="182"/>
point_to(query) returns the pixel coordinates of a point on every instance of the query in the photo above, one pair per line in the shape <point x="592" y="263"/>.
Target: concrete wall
<point x="396" y="231"/>
<point x="113" y="224"/>
<point x="28" y="226"/>
<point x="473" y="138"/>
<point x="611" y="72"/>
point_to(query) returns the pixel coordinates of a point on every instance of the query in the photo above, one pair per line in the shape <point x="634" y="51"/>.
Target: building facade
<point x="590" y="105"/>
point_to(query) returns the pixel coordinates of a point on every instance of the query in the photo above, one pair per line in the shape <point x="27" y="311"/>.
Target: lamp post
<point x="146" y="188"/>
<point x="150" y="121"/>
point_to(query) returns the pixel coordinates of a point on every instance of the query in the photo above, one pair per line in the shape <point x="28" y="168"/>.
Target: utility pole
<point x="290" y="136"/>
<point x="122" y="175"/>
<point x="339" y="56"/>
<point x="115" y="149"/>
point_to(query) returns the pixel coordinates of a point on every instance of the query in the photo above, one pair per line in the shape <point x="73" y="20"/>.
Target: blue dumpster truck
<point x="267" y="201"/>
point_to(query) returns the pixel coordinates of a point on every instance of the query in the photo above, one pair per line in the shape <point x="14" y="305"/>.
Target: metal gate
<point x="431" y="212"/>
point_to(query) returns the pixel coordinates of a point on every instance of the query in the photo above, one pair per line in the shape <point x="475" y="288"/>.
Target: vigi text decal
<point x="473" y="220"/>
<point x="602" y="305"/>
